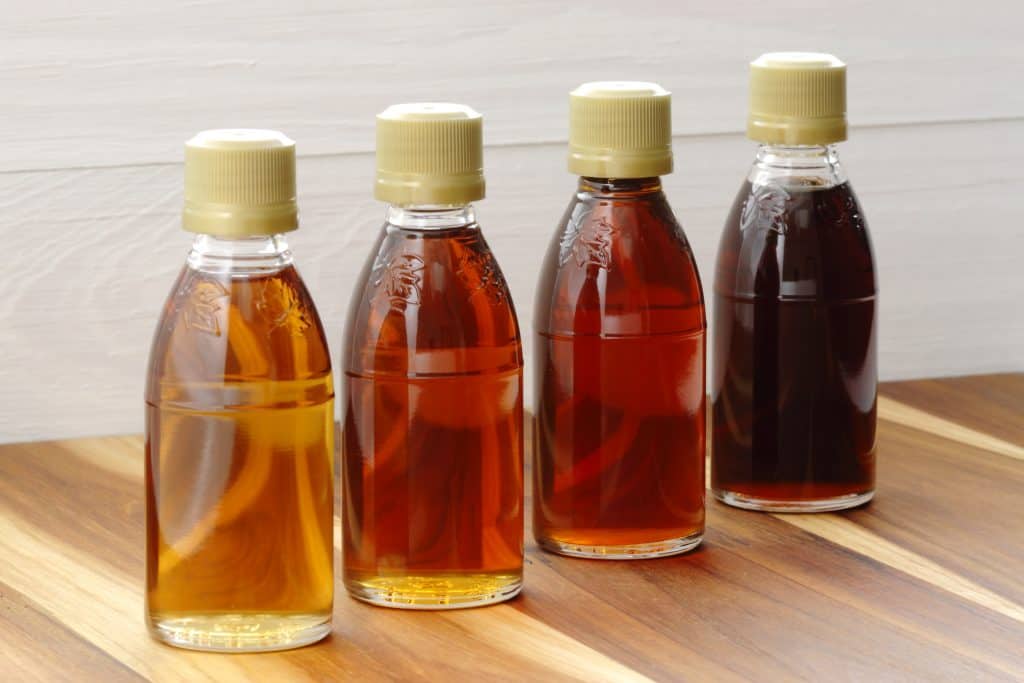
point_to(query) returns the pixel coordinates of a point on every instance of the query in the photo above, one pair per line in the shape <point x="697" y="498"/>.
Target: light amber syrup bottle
<point x="433" y="430"/>
<point x="795" y="373"/>
<point x="620" y="325"/>
<point x="239" y="417"/>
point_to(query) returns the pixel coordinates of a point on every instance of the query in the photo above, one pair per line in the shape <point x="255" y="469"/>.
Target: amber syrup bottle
<point x="620" y="334"/>
<point x="795" y="307"/>
<point x="433" y="431"/>
<point x="239" y="417"/>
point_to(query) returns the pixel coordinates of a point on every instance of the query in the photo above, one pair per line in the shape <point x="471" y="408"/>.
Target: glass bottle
<point x="795" y="309"/>
<point x="620" y="336"/>
<point x="239" y="417"/>
<point x="433" y="426"/>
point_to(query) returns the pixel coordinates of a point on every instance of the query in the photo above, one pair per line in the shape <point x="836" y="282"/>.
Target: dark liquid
<point x="620" y="379"/>
<point x="433" y="439"/>
<point x="239" y="463"/>
<point x="794" y="362"/>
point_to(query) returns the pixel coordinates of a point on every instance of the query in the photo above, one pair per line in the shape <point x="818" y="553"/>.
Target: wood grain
<point x="27" y="656"/>
<point x="984" y="404"/>
<point x="92" y="269"/>
<point x="922" y="584"/>
<point x="924" y="421"/>
<point x="848" y="534"/>
<point x="950" y="501"/>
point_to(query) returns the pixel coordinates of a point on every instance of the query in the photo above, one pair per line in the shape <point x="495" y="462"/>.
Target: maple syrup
<point x="239" y="420"/>
<point x="620" y="338"/>
<point x="794" y="383"/>
<point x="433" y="430"/>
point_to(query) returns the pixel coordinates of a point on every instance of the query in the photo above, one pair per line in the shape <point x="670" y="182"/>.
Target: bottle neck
<point x="430" y="217"/>
<point x="240" y="255"/>
<point x="797" y="165"/>
<point x="620" y="188"/>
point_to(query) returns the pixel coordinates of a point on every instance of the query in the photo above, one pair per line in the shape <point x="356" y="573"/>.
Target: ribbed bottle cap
<point x="797" y="98"/>
<point x="429" y="153"/>
<point x="620" y="129"/>
<point x="240" y="182"/>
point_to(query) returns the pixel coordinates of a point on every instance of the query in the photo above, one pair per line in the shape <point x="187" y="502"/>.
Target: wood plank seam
<point x="34" y="557"/>
<point x="36" y="566"/>
<point x="850" y="535"/>
<point x="531" y="142"/>
<point x="560" y="653"/>
<point x="543" y="644"/>
<point x="901" y="413"/>
<point x="13" y="604"/>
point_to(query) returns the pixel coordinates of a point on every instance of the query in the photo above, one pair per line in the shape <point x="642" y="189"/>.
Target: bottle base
<point x="240" y="632"/>
<point x="437" y="591"/>
<point x="830" y="504"/>
<point x="633" y="551"/>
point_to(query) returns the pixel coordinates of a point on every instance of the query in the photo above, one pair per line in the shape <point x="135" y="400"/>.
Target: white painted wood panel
<point x="91" y="254"/>
<point x="98" y="98"/>
<point x="114" y="82"/>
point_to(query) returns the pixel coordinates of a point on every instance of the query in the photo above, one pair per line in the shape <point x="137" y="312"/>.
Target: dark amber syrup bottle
<point x="794" y="361"/>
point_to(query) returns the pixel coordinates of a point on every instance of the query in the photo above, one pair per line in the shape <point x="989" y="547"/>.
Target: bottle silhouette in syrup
<point x="620" y="339"/>
<point x="794" y="361"/>
<point x="433" y="430"/>
<point x="239" y="417"/>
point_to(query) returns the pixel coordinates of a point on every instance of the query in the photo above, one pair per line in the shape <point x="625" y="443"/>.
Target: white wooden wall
<point x="97" y="99"/>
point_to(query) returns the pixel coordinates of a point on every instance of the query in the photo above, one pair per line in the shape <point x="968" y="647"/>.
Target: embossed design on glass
<point x="765" y="209"/>
<point x="587" y="241"/>
<point x="619" y="469"/>
<point x="282" y="306"/>
<point x="203" y="305"/>
<point x="400" y="277"/>
<point x="480" y="272"/>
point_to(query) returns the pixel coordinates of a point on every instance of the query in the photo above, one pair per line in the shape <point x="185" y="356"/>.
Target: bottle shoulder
<point x="218" y="326"/>
<point x="619" y="266"/>
<point x="796" y="241"/>
<point x="424" y="293"/>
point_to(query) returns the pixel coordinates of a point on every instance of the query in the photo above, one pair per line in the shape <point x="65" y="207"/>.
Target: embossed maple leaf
<point x="567" y="241"/>
<point x="593" y="245"/>
<point x="202" y="306"/>
<point x="765" y="209"/>
<point x="588" y="241"/>
<point x="481" y="272"/>
<point x="281" y="305"/>
<point x="401" y="278"/>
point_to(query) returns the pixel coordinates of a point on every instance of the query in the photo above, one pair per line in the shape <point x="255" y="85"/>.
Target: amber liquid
<point x="795" y="371"/>
<point x="620" y="325"/>
<point x="239" y="466"/>
<point x="433" y="438"/>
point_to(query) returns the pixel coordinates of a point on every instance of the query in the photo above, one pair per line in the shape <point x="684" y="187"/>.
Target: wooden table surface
<point x="925" y="583"/>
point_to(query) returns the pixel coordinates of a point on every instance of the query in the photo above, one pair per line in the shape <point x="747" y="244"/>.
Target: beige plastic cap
<point x="797" y="98"/>
<point x="240" y="182"/>
<point x="620" y="129"/>
<point x="429" y="153"/>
